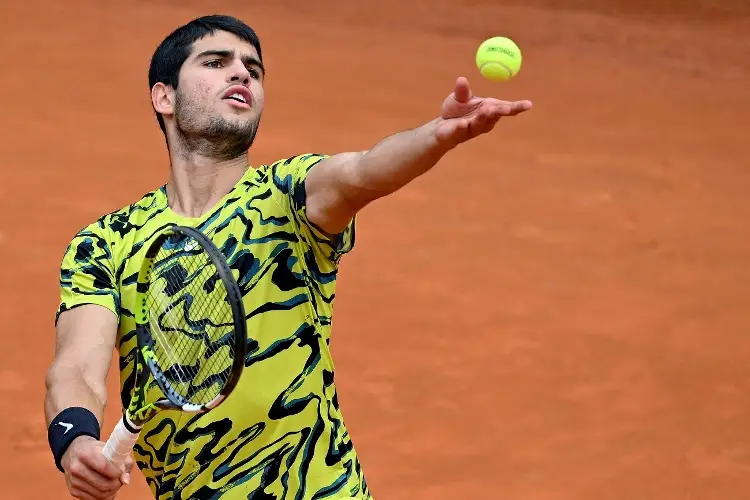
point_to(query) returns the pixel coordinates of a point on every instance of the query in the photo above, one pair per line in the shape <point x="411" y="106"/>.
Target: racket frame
<point x="135" y="416"/>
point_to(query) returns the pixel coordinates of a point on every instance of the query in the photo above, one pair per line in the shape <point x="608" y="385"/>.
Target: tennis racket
<point x="191" y="333"/>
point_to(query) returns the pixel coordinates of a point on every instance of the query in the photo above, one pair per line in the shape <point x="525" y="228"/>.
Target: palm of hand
<point x="464" y="116"/>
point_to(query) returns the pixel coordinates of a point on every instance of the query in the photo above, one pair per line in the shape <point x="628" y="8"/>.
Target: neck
<point x="197" y="183"/>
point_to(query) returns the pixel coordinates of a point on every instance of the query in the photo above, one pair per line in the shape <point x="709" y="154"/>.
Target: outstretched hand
<point x="464" y="116"/>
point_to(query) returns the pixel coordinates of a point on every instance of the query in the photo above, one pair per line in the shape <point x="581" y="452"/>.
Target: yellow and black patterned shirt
<point x="280" y="434"/>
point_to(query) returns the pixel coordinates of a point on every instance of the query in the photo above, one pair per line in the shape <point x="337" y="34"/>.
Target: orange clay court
<point x="559" y="311"/>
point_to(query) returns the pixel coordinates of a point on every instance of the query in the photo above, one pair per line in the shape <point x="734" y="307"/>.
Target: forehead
<point x="222" y="40"/>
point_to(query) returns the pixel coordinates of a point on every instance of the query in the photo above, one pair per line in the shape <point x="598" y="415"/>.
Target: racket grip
<point x="120" y="443"/>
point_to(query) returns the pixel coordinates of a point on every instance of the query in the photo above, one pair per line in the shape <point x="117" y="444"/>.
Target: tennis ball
<point x="498" y="59"/>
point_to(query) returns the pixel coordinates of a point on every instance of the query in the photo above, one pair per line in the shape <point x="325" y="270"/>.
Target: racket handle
<point x="120" y="443"/>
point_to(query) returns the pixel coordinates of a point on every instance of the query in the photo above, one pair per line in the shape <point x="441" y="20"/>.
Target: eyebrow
<point x="228" y="53"/>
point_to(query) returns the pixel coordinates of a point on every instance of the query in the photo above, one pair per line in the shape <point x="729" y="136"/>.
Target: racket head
<point x="190" y="326"/>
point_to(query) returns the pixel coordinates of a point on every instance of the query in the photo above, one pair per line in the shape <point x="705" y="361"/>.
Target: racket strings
<point x="189" y="310"/>
<point x="175" y="356"/>
<point x="191" y="323"/>
<point x="180" y="320"/>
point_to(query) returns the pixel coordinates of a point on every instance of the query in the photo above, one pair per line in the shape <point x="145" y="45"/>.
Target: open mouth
<point x="238" y="94"/>
<point x="237" y="97"/>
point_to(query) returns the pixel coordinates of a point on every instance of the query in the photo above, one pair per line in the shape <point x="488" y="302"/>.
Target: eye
<point x="215" y="63"/>
<point x="254" y="73"/>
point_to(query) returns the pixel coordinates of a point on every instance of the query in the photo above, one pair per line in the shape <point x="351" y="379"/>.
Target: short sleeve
<point x="288" y="176"/>
<point x="87" y="272"/>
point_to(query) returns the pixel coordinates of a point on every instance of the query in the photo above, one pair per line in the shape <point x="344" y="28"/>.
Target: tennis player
<point x="283" y="228"/>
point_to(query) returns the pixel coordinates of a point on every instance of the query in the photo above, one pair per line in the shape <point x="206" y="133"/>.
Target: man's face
<point x="219" y="98"/>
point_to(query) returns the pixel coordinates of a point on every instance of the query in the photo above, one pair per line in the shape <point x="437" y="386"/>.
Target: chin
<point x="242" y="116"/>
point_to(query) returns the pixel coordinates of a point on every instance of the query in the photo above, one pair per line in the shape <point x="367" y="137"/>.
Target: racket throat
<point x="129" y="425"/>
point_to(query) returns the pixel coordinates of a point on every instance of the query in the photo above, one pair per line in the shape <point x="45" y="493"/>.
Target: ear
<point x="162" y="98"/>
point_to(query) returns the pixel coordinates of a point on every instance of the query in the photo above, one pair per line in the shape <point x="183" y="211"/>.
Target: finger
<point x="462" y="93"/>
<point x="125" y="477"/>
<point x="499" y="110"/>
<point x="518" y="107"/>
<point x="489" y="125"/>
<point x="483" y="125"/>
<point x="82" y="474"/>
<point x="81" y="495"/>
<point x="84" y="491"/>
<point x="99" y="463"/>
<point x="507" y="108"/>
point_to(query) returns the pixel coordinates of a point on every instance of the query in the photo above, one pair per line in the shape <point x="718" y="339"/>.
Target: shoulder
<point x="110" y="228"/>
<point x="285" y="171"/>
<point x="119" y="222"/>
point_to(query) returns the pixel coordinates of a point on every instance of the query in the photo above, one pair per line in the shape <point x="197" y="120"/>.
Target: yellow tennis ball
<point x="498" y="59"/>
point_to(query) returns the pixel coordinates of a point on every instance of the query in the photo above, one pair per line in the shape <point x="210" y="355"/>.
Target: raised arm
<point x="76" y="398"/>
<point x="343" y="184"/>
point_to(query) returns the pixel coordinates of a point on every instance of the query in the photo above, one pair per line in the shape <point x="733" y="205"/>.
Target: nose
<point x="239" y="73"/>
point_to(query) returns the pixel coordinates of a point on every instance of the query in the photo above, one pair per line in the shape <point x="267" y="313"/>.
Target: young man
<point x="283" y="227"/>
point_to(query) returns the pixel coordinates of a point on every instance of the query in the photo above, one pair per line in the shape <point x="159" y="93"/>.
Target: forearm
<point x="347" y="182"/>
<point x="68" y="387"/>
<point x="395" y="161"/>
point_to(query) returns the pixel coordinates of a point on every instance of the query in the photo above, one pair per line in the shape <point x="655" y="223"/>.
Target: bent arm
<point x="77" y="377"/>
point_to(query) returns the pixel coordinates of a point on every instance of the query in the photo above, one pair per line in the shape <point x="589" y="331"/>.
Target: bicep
<point x="85" y="341"/>
<point x="333" y="195"/>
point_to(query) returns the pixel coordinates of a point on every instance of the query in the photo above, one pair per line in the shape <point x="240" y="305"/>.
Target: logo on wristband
<point x="66" y="425"/>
